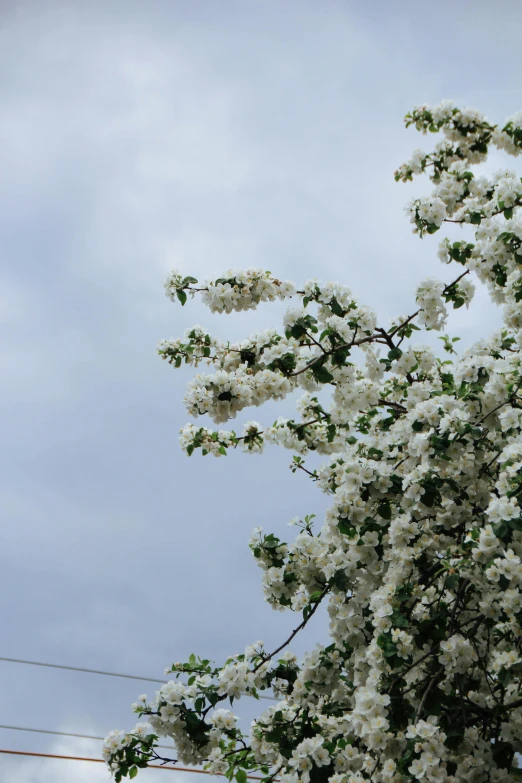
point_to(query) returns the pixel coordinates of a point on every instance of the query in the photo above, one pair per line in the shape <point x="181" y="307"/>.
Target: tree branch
<point x="295" y="631"/>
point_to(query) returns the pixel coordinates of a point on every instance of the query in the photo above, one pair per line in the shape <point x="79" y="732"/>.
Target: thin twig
<point x="295" y="631"/>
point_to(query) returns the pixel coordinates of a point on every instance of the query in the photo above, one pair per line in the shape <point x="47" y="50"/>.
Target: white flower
<point x="223" y="719"/>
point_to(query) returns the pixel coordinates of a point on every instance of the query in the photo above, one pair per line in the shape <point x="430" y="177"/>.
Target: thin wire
<point x="65" y="734"/>
<point x="101" y="761"/>
<point x="84" y="758"/>
<point x="79" y="669"/>
<point x="59" y="733"/>
<point x="96" y="671"/>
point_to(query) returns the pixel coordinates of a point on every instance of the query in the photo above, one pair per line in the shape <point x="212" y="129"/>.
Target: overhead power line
<point x="65" y="734"/>
<point x="58" y="733"/>
<point x="86" y="758"/>
<point x="96" y="671"/>
<point x="80" y="669"/>
<point x="101" y="761"/>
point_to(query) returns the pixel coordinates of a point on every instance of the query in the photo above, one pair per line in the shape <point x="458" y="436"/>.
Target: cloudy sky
<point x="140" y="136"/>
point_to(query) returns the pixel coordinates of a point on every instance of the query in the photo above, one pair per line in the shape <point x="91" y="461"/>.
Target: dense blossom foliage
<point x="419" y="556"/>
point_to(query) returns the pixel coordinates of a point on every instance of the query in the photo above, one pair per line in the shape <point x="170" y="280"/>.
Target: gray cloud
<point x="136" y="137"/>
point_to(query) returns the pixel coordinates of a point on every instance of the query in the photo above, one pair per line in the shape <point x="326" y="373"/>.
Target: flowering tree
<point x="419" y="556"/>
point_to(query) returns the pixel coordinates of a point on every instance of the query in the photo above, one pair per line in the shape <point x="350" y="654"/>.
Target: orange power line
<point x="101" y="761"/>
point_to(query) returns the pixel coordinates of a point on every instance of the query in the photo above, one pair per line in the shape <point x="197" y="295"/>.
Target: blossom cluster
<point x="244" y="290"/>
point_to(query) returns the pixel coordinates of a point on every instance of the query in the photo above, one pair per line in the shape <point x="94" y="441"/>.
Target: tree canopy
<point x="418" y="558"/>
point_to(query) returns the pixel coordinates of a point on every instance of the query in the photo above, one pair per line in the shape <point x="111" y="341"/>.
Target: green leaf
<point x="339" y="357"/>
<point x="241" y="776"/>
<point x="395" y="353"/>
<point x="431" y="495"/>
<point x="340" y="580"/>
<point x="331" y="430"/>
<point x="133" y="771"/>
<point x="321" y="374"/>
<point x="181" y="295"/>
<point x="336" y="308"/>
<point x="516" y="524"/>
<point x="389" y="650"/>
<point x="346" y="529"/>
<point x="501" y="530"/>
<point x="295" y="331"/>
<point x="452" y="581"/>
<point x="503" y="582"/>
<point x="384" y="510"/>
<point x="399" y="620"/>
